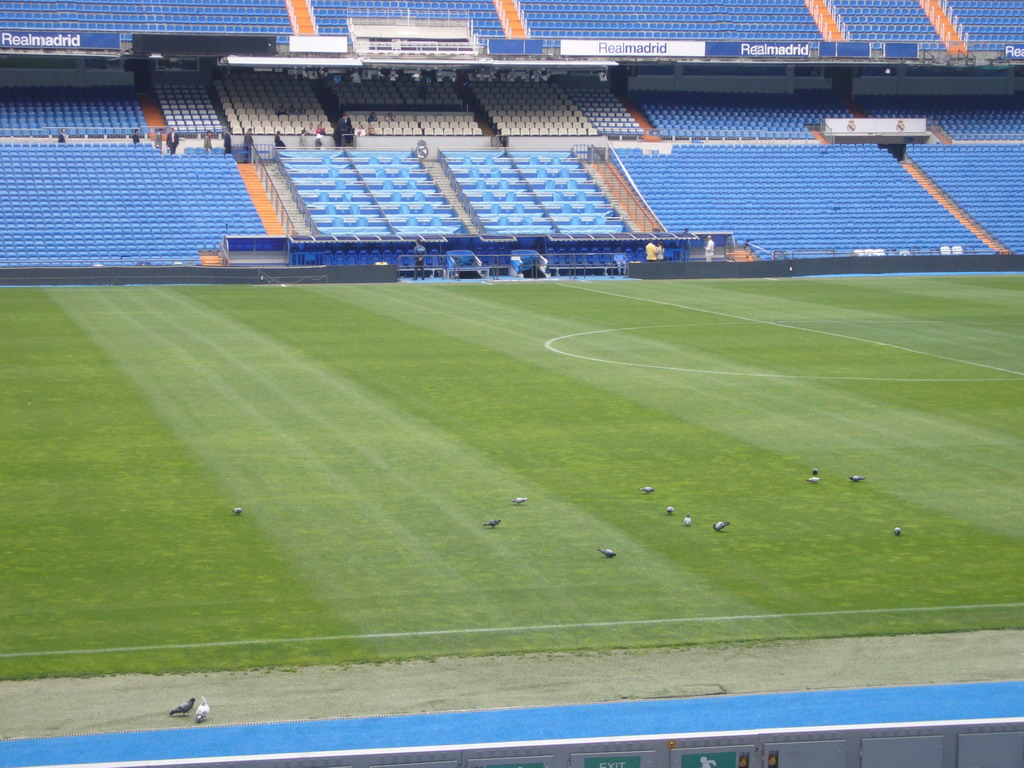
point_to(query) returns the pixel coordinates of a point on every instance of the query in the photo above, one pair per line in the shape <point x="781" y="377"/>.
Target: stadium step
<point x="260" y="199"/>
<point x="294" y="221"/>
<point x="641" y="119"/>
<point x="944" y="26"/>
<point x="624" y="198"/>
<point x="827" y="24"/>
<point x="151" y="110"/>
<point x="437" y="175"/>
<point x="511" y="21"/>
<point x="952" y="206"/>
<point x="301" y="16"/>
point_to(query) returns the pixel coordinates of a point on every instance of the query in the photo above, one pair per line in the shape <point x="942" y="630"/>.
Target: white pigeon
<point x="238" y="510"/>
<point x="520" y="500"/>
<point x="203" y="710"/>
<point x="687" y="520"/>
<point x="857" y="478"/>
<point x="897" y="531"/>
<point x="669" y="510"/>
<point x="647" y="489"/>
<point x="814" y="479"/>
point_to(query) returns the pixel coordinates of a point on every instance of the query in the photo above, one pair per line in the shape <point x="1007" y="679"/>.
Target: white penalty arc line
<point x="528" y="628"/>
<point x="792" y="328"/>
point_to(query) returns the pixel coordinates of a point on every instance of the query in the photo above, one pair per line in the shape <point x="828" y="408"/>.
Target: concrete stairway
<point x="436" y="173"/>
<point x="624" y="199"/>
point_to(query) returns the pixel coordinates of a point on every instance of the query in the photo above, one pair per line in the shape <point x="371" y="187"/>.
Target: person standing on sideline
<point x="652" y="251"/>
<point x="709" y="249"/>
<point x="419" y="253"/>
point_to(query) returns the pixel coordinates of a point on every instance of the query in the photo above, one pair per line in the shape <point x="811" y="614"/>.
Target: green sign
<point x="508" y="765"/>
<point x="613" y="761"/>
<point x="710" y="760"/>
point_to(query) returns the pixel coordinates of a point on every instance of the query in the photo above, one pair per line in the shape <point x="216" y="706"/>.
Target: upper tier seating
<point x="529" y="192"/>
<point x="736" y="20"/>
<point x="984" y="180"/>
<point x="988" y="24"/>
<point x="239" y="17"/>
<point x="369" y="193"/>
<point x="886" y="21"/>
<point x="86" y="109"/>
<point x="188" y="108"/>
<point x="417" y="108"/>
<point x="522" y="108"/>
<point x="269" y="102"/>
<point x="87" y="203"/>
<point x="415" y="123"/>
<point x="786" y="197"/>
<point x="738" y="115"/>
<point x="332" y="15"/>
<point x="604" y="111"/>
<point x="962" y="117"/>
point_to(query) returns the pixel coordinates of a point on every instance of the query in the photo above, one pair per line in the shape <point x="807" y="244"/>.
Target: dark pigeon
<point x="857" y="478"/>
<point x="720" y="526"/>
<point x="669" y="510"/>
<point x="606" y="552"/>
<point x="897" y="531"/>
<point x="492" y="523"/>
<point x="185" y="707"/>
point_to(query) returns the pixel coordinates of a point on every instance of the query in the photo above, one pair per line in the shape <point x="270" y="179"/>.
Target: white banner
<point x="318" y="44"/>
<point x="632" y="48"/>
<point x="871" y="126"/>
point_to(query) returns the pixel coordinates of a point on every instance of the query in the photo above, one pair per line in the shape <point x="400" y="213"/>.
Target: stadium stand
<point x="188" y="108"/>
<point x="415" y="108"/>
<point x="82" y="110"/>
<point x="529" y="192"/>
<point x="843" y="198"/>
<point x="738" y="20"/>
<point x="531" y="108"/>
<point x="889" y="21"/>
<point x="369" y="193"/>
<point x="332" y="15"/>
<point x="604" y="111"/>
<point x="83" y="204"/>
<point x="988" y="24"/>
<point x="738" y="115"/>
<point x="983" y="180"/>
<point x="269" y="102"/>
<point x="968" y="117"/>
<point x="208" y="16"/>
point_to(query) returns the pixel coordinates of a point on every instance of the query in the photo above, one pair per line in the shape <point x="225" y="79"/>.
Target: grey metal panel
<point x="808" y="754"/>
<point x="518" y="761"/>
<point x="902" y="751"/>
<point x="716" y="756"/>
<point x="990" y="750"/>
<point x="407" y="764"/>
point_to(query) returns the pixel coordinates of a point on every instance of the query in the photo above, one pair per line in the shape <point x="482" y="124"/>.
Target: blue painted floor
<point x="637" y="718"/>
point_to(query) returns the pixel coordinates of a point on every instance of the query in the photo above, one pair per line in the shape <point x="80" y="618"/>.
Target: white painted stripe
<point x="778" y="324"/>
<point x="527" y="628"/>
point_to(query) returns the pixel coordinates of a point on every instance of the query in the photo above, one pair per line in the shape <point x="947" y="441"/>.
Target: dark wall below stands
<point x="840" y="265"/>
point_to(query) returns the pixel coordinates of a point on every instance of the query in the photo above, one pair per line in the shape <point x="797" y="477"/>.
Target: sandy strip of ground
<point x="64" y="706"/>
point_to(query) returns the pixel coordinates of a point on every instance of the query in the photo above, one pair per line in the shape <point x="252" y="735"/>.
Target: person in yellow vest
<point x="652" y="251"/>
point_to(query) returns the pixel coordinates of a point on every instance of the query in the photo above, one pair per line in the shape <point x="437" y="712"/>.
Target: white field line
<point x="800" y="328"/>
<point x="529" y="628"/>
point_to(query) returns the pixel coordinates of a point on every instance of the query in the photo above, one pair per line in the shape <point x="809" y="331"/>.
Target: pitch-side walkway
<point x="967" y="701"/>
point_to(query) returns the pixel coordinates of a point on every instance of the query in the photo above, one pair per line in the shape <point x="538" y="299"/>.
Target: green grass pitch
<point x="370" y="431"/>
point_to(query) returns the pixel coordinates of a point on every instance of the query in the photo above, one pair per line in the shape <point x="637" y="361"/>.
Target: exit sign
<point x="710" y="760"/>
<point x="613" y="761"/>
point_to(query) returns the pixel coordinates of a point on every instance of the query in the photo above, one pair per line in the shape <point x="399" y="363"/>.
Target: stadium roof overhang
<point x="331" y="62"/>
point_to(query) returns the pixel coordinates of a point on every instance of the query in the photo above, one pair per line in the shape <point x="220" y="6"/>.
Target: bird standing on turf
<point x="238" y="510"/>
<point x="720" y="526"/>
<point x="857" y="478"/>
<point x="520" y="500"/>
<point x="203" y="710"/>
<point x="606" y="552"/>
<point x="669" y="510"/>
<point x="185" y="707"/>
<point x="814" y="479"/>
<point x="492" y="523"/>
<point x="647" y="489"/>
<point x="897" y="531"/>
<point x="687" y="520"/>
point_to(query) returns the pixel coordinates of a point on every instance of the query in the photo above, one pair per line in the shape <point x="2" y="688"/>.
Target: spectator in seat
<point x="62" y="137"/>
<point x="278" y="140"/>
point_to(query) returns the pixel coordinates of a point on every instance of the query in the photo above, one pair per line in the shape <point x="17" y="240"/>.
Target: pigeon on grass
<point x="720" y="526"/>
<point x="647" y="489"/>
<point x="492" y="523"/>
<point x="687" y="520"/>
<point x="203" y="710"/>
<point x="857" y="478"/>
<point x="519" y="500"/>
<point x="185" y="707"/>
<point x="606" y="552"/>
